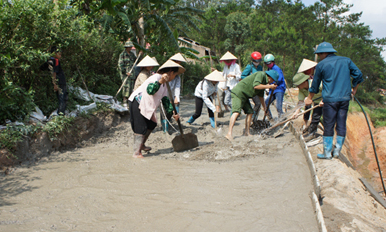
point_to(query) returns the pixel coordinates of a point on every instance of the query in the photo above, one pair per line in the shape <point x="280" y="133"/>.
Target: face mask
<point x="255" y="63"/>
<point x="270" y="65"/>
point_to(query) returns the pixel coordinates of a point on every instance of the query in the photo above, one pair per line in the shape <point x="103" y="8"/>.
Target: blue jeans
<point x="279" y="96"/>
<point x="335" y="115"/>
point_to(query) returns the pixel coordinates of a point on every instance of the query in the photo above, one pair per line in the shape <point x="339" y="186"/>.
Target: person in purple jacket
<point x="278" y="93"/>
<point x="335" y="72"/>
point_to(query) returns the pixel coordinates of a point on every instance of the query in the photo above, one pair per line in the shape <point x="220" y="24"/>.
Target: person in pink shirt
<point x="143" y="103"/>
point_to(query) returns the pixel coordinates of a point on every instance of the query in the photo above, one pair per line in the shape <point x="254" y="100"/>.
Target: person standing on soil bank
<point x="335" y="72"/>
<point x="232" y="76"/>
<point x="125" y="63"/>
<point x="143" y="103"/>
<point x="175" y="86"/>
<point x="251" y="68"/>
<point x="253" y="85"/>
<point x="303" y="81"/>
<point x="146" y="65"/>
<point x="204" y="90"/>
<point x="278" y="94"/>
<point x="58" y="79"/>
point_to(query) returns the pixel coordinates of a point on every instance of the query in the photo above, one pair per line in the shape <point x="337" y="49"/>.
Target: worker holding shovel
<point x="335" y="72"/>
<point x="253" y="85"/>
<point x="303" y="81"/>
<point x="204" y="90"/>
<point x="144" y="101"/>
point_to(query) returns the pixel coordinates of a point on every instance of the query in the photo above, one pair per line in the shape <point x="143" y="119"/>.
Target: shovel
<point x="262" y="124"/>
<point x="183" y="141"/>
<point x="123" y="83"/>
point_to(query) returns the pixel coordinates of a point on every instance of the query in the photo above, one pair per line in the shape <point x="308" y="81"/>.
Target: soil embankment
<point x="252" y="184"/>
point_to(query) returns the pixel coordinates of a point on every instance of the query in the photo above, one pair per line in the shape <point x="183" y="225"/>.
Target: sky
<point x="374" y="12"/>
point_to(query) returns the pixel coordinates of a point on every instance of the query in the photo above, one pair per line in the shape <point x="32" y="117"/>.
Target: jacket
<point x="230" y="82"/>
<point x="281" y="87"/>
<point x="250" y="69"/>
<point x="204" y="90"/>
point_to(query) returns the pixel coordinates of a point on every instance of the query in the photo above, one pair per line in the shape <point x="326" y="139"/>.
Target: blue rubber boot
<point x="212" y="122"/>
<point x="165" y="125"/>
<point x="327" y="148"/>
<point x="191" y="120"/>
<point x="338" y="146"/>
<point x="177" y="108"/>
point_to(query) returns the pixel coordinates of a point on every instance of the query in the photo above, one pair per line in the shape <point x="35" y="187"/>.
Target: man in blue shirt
<point x="335" y="72"/>
<point x="278" y="93"/>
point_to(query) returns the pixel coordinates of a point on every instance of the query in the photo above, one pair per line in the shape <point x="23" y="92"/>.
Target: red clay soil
<point x="360" y="148"/>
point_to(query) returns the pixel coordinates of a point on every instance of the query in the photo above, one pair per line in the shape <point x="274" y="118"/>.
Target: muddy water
<point x="252" y="184"/>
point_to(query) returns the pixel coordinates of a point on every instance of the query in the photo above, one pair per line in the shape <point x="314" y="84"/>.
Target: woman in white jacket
<point x="232" y="74"/>
<point x="204" y="91"/>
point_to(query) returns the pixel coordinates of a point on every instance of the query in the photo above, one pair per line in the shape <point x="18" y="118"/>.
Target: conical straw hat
<point x="178" y="57"/>
<point x="214" y="76"/>
<point x="155" y="59"/>
<point x="228" y="56"/>
<point x="306" y="64"/>
<point x="172" y="64"/>
<point x="147" y="62"/>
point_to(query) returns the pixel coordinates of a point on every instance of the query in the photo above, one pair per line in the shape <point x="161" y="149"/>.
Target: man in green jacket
<point x="125" y="62"/>
<point x="253" y="85"/>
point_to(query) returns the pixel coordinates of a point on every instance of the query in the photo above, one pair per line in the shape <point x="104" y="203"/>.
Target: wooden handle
<point x="123" y="83"/>
<point x="174" y="107"/>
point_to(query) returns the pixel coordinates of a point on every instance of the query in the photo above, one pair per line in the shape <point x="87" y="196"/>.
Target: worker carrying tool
<point x="253" y="85"/>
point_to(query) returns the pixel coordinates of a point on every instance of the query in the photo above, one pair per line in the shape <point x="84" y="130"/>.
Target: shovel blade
<point x="184" y="142"/>
<point x="220" y="114"/>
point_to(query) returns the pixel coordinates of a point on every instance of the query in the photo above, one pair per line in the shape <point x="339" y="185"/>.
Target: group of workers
<point x="234" y="89"/>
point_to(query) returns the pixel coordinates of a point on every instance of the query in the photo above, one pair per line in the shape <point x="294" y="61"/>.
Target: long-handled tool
<point x="183" y="141"/>
<point x="221" y="113"/>
<point x="123" y="83"/>
<point x="281" y="123"/>
<point x="262" y="124"/>
<point x="81" y="76"/>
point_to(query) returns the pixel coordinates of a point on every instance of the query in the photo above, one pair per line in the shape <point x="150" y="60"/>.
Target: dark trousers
<point x="62" y="95"/>
<point x="139" y="124"/>
<point x="199" y="104"/>
<point x="335" y="115"/>
<point x="316" y="115"/>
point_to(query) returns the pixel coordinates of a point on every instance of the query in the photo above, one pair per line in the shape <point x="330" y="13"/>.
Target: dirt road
<point x="252" y="184"/>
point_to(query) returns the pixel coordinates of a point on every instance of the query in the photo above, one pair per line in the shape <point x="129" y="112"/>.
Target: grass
<point x="377" y="114"/>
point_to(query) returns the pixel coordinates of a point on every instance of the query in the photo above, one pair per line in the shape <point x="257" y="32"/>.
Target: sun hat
<point x="299" y="78"/>
<point x="215" y="76"/>
<point x="324" y="47"/>
<point x="272" y="73"/>
<point x="129" y="44"/>
<point x="228" y="56"/>
<point x="172" y="64"/>
<point x="306" y="64"/>
<point x="147" y="62"/>
<point x="155" y="59"/>
<point x="178" y="57"/>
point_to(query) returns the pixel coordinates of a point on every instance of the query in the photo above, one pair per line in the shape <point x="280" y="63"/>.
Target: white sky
<point x="374" y="15"/>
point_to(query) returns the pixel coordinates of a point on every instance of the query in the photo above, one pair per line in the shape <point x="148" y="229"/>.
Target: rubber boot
<point x="177" y="108"/>
<point x="212" y="122"/>
<point x="311" y="132"/>
<point x="338" y="146"/>
<point x="144" y="147"/>
<point x="165" y="125"/>
<point x="327" y="148"/>
<point x="191" y="120"/>
<point x="138" y="139"/>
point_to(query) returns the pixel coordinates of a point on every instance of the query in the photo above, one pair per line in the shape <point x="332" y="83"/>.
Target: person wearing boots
<point x="175" y="86"/>
<point x="253" y="85"/>
<point x="232" y="76"/>
<point x="251" y="68"/>
<point x="204" y="90"/>
<point x="146" y="65"/>
<point x="303" y="80"/>
<point x="278" y="93"/>
<point x="335" y="73"/>
<point x="143" y="103"/>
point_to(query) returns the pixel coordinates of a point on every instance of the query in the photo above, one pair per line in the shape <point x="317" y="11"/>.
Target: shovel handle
<point x="123" y="83"/>
<point x="174" y="107"/>
<point x="269" y="103"/>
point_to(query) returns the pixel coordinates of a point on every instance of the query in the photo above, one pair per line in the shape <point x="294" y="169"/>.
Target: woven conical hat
<point x="172" y="64"/>
<point x="147" y="62"/>
<point x="228" y="56"/>
<point x="178" y="57"/>
<point x="306" y="64"/>
<point x="214" y="76"/>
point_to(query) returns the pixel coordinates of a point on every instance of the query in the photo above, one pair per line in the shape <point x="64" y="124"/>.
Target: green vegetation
<point x="377" y="114"/>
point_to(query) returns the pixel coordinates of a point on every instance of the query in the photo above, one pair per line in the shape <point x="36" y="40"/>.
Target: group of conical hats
<point x="152" y="62"/>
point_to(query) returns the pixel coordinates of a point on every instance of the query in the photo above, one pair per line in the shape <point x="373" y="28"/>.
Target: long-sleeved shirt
<point x="281" y="87"/>
<point x="230" y="82"/>
<point x="175" y="86"/>
<point x="335" y="72"/>
<point x="142" y="77"/>
<point x="245" y="89"/>
<point x="125" y="62"/>
<point x="250" y="69"/>
<point x="204" y="89"/>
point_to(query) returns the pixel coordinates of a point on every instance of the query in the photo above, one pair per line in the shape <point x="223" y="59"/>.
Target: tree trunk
<point x="141" y="31"/>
